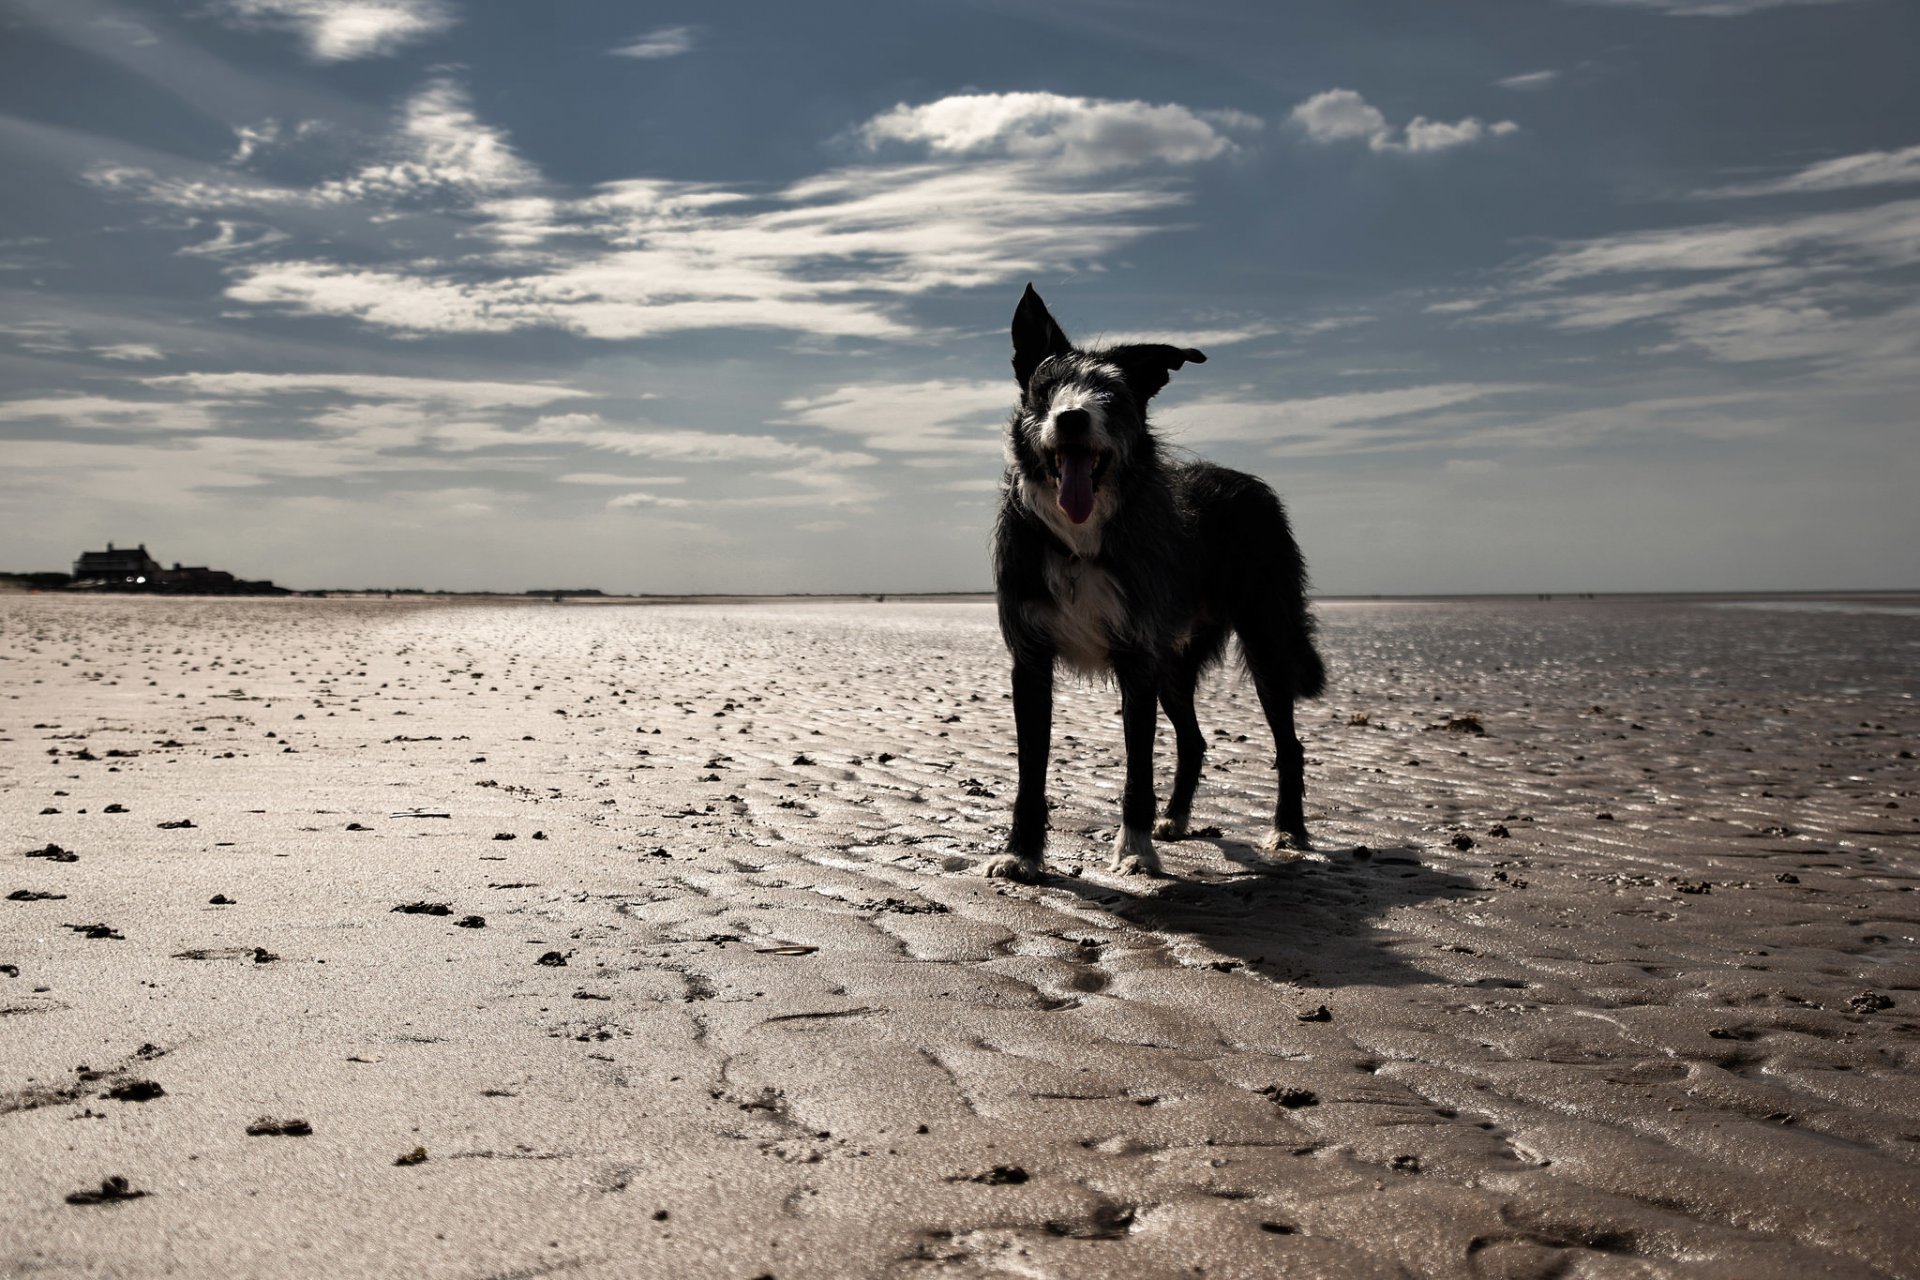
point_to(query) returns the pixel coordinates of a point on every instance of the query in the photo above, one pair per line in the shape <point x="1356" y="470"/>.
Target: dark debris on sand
<point x="110" y="1191"/>
<point x="272" y="1127"/>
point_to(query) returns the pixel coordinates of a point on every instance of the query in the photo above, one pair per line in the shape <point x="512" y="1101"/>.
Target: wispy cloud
<point x="342" y="30"/>
<point x="1528" y="81"/>
<point x="132" y="351"/>
<point x="1083" y="134"/>
<point x="1039" y="187"/>
<point x="438" y="152"/>
<point x="98" y="412"/>
<point x="1319" y="425"/>
<point x="1342" y="115"/>
<point x="1706" y="8"/>
<point x="661" y="42"/>
<point x="1829" y="287"/>
<point x="935" y="416"/>
<point x="367" y="386"/>
<point x="1843" y="173"/>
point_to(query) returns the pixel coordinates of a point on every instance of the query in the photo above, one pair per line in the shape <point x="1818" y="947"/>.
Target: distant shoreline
<point x="951" y="597"/>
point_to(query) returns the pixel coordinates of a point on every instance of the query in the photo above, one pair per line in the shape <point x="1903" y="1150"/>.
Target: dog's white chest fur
<point x="1088" y="610"/>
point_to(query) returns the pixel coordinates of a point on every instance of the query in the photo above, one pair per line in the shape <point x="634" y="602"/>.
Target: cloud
<point x="928" y="417"/>
<point x="341" y="30"/>
<point x="1083" y="134"/>
<point x="1844" y="173"/>
<point x="100" y="412"/>
<point x="1048" y="184"/>
<point x="609" y="478"/>
<point x="472" y="394"/>
<point x="1528" y="81"/>
<point x="1888" y="234"/>
<point x="823" y="257"/>
<point x="1318" y="424"/>
<point x="231" y="237"/>
<point x="1833" y="288"/>
<point x="1705" y="8"/>
<point x="1224" y="336"/>
<point x="1342" y="115"/>
<point x="661" y="42"/>
<point x="129" y="351"/>
<point x="438" y="148"/>
<point x="441" y="144"/>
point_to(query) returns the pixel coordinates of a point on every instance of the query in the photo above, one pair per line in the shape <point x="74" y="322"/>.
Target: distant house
<point x="197" y="580"/>
<point x="117" y="567"/>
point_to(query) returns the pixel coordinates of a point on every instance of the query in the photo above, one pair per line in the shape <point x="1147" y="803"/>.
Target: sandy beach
<point x="487" y="940"/>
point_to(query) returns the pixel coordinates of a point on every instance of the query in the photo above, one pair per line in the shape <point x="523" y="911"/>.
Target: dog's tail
<point x="1267" y="597"/>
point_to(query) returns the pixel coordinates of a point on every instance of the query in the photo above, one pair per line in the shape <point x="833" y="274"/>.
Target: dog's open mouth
<point x="1080" y="472"/>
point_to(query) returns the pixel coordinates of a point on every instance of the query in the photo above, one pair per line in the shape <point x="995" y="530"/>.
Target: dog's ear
<point x="1035" y="337"/>
<point x="1148" y="365"/>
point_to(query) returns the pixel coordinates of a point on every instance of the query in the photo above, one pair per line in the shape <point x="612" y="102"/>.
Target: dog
<point x="1117" y="561"/>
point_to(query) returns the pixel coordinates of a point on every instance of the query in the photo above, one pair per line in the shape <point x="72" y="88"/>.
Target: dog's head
<point x="1083" y="414"/>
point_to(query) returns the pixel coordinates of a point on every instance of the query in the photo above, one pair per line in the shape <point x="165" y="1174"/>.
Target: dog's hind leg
<point x="1033" y="727"/>
<point x="1290" y="769"/>
<point x="1133" y="852"/>
<point x="1176" y="697"/>
<point x="1272" y="682"/>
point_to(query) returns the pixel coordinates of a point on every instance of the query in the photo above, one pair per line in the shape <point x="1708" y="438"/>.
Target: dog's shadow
<point x="1302" y="920"/>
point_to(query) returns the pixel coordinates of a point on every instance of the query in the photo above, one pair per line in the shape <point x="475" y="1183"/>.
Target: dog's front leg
<point x="1133" y="852"/>
<point x="1033" y="727"/>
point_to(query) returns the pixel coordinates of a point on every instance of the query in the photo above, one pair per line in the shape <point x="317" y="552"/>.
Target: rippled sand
<point x="1623" y="985"/>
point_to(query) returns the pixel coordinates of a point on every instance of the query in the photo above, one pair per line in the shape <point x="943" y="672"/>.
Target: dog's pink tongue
<point x="1076" y="486"/>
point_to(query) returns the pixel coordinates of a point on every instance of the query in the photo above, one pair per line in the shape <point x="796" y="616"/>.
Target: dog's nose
<point x="1071" y="424"/>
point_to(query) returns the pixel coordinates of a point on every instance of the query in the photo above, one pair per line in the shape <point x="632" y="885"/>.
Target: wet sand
<point x="1605" y="966"/>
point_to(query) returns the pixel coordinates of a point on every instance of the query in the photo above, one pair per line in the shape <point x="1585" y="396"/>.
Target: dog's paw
<point x="1011" y="866"/>
<point x="1133" y="854"/>
<point x="1279" y="841"/>
<point x="1170" y="828"/>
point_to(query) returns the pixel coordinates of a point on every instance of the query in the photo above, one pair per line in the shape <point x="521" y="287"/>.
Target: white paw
<point x="1133" y="854"/>
<point x="1170" y="828"/>
<point x="1279" y="841"/>
<point x="1011" y="866"/>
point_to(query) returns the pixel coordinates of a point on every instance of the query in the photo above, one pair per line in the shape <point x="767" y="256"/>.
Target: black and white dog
<point x="1112" y="559"/>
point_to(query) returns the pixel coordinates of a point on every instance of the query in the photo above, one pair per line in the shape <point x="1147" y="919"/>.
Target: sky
<point x="1535" y="295"/>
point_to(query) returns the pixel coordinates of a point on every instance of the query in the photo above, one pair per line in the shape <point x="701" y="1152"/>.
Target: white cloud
<point x="1083" y="134"/>
<point x="441" y="144"/>
<point x="1833" y="288"/>
<point x="1705" y="8"/>
<point x="341" y="30"/>
<point x="661" y="42"/>
<point x="1207" y="338"/>
<point x="1843" y="173"/>
<point x="642" y="260"/>
<point x="1039" y="187"/>
<point x="473" y="394"/>
<point x="608" y="478"/>
<point x="1342" y="115"/>
<point x="668" y="444"/>
<point x="931" y="417"/>
<point x="627" y="501"/>
<point x="1887" y="234"/>
<point x="232" y="237"/>
<point x="438" y="147"/>
<point x="1528" y="81"/>
<point x="99" y="412"/>
<point x="129" y="351"/>
<point x="1317" y="424"/>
